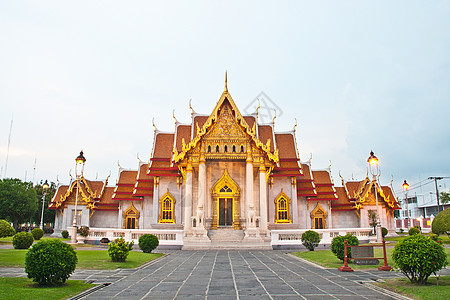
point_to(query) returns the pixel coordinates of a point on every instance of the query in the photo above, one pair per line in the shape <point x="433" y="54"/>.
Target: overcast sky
<point x="357" y="75"/>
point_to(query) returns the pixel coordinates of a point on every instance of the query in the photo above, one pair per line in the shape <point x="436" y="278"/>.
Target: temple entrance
<point x="225" y="211"/>
<point x="225" y="196"/>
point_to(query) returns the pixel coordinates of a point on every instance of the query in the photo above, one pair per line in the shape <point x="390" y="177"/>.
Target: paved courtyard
<point x="237" y="275"/>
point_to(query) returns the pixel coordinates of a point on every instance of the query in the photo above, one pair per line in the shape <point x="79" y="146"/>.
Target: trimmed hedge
<point x="65" y="234"/>
<point x="148" y="243"/>
<point x="310" y="239"/>
<point x="118" y="249"/>
<point x="6" y="229"/>
<point x="413" y="231"/>
<point x="37" y="233"/>
<point x="338" y="247"/>
<point x="384" y="231"/>
<point x="50" y="262"/>
<point x="22" y="240"/>
<point x="441" y="223"/>
<point x="418" y="257"/>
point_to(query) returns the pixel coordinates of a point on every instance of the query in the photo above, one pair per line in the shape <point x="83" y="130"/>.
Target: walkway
<point x="240" y="275"/>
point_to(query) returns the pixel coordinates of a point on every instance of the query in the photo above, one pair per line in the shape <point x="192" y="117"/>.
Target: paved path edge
<point x="308" y="262"/>
<point x="370" y="285"/>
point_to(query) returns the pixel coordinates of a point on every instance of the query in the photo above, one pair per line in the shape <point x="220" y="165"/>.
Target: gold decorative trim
<point x="319" y="212"/>
<point x="172" y="200"/>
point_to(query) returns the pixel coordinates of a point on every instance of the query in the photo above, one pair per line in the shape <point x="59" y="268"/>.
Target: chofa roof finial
<point x="226" y="84"/>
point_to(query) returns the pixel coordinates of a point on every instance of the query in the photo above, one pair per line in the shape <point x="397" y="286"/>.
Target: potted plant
<point x="83" y="231"/>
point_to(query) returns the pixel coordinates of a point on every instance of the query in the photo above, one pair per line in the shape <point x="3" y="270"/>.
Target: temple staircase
<point x="227" y="238"/>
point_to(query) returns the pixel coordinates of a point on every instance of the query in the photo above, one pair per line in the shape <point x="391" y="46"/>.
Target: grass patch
<point x="24" y="288"/>
<point x="6" y="240"/>
<point x="87" y="259"/>
<point x="327" y="259"/>
<point x="429" y="291"/>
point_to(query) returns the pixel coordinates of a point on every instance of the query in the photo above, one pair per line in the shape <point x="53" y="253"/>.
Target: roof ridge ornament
<point x="173" y="115"/>
<point x="295" y="125"/>
<point x="226" y="83"/>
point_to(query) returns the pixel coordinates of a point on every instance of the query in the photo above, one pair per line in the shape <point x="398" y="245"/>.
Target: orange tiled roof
<point x="305" y="184"/>
<point x="183" y="132"/>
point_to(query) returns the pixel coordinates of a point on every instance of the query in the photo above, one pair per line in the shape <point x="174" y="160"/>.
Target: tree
<point x="18" y="201"/>
<point x="49" y="214"/>
<point x="373" y="220"/>
<point x="441" y="223"/>
<point x="444" y="197"/>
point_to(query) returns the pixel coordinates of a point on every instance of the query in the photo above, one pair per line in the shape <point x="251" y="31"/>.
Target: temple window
<point x="234" y="148"/>
<point x="242" y="149"/>
<point x="131" y="218"/>
<point x="217" y="149"/>
<point x="225" y="149"/>
<point x="282" y="208"/>
<point x="209" y="149"/>
<point x="167" y="208"/>
<point x="318" y="218"/>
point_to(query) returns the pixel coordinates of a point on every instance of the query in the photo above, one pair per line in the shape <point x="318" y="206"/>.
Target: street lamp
<point x="45" y="186"/>
<point x="373" y="166"/>
<point x="79" y="168"/>
<point x="405" y="186"/>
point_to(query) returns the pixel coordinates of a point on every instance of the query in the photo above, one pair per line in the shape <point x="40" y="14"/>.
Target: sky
<point x="356" y="75"/>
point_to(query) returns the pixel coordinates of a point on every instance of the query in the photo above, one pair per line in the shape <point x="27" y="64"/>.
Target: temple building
<point x="223" y="175"/>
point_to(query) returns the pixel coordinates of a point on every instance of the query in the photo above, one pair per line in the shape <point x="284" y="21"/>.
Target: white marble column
<point x="188" y="198"/>
<point x="262" y="196"/>
<point x="201" y="191"/>
<point x="249" y="188"/>
<point x="294" y="201"/>
<point x="155" y="200"/>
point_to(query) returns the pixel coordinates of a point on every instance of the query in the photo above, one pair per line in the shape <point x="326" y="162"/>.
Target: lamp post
<point x="79" y="168"/>
<point x="405" y="186"/>
<point x="373" y="166"/>
<point x="45" y="186"/>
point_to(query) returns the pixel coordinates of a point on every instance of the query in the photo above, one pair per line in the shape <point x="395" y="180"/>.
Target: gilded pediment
<point x="226" y="127"/>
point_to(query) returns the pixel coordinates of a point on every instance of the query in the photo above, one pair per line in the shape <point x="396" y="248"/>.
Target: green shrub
<point x="6" y="229"/>
<point x="310" y="239"/>
<point x="37" y="233"/>
<point x="22" y="240"/>
<point x="148" y="243"/>
<point x="441" y="223"/>
<point x="338" y="247"/>
<point x="65" y="234"/>
<point x="83" y="231"/>
<point x="435" y="238"/>
<point x="50" y="262"/>
<point x="418" y="256"/>
<point x="413" y="231"/>
<point x="384" y="231"/>
<point x="118" y="249"/>
<point x="402" y="230"/>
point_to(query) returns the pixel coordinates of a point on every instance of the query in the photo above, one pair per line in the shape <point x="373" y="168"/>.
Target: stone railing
<point x="165" y="237"/>
<point x="293" y="237"/>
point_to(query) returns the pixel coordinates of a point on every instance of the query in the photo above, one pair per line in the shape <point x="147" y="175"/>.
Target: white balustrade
<point x="292" y="237"/>
<point x="165" y="236"/>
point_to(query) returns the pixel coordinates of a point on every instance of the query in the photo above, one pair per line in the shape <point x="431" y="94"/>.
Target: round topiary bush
<point x="50" y="262"/>
<point x="310" y="239"/>
<point x="118" y="249"/>
<point x="37" y="233"/>
<point x="338" y="247"/>
<point x="6" y="229"/>
<point x="22" y="240"/>
<point x="414" y="231"/>
<point x="148" y="243"/>
<point x="65" y="234"/>
<point x="384" y="231"/>
<point x="441" y="223"/>
<point x="418" y="256"/>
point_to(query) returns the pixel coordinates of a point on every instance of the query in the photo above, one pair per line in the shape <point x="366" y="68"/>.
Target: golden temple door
<point x="225" y="211"/>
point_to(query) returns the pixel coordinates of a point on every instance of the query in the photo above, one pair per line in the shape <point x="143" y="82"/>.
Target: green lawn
<point x="327" y="259"/>
<point x="6" y="240"/>
<point x="23" y="288"/>
<point x="87" y="259"/>
<point x="430" y="291"/>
